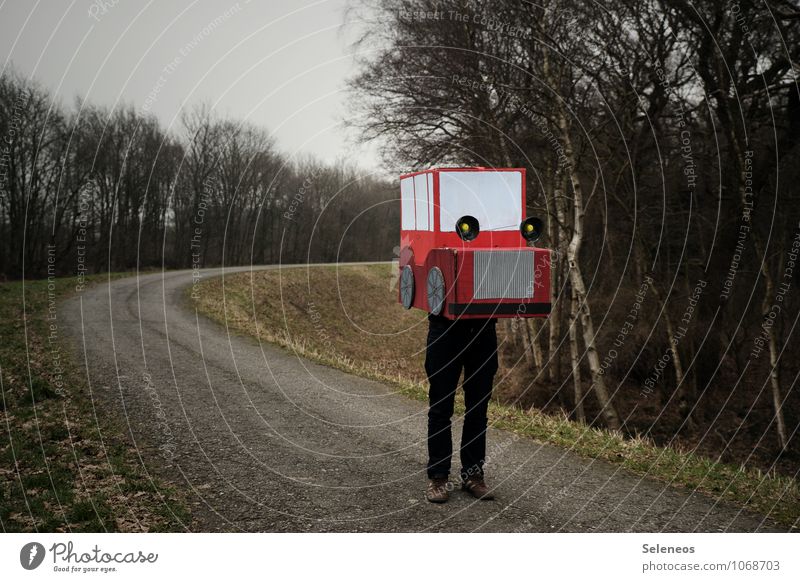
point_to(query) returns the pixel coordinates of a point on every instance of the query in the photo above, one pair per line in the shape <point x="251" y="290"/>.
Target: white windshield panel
<point x="494" y="198"/>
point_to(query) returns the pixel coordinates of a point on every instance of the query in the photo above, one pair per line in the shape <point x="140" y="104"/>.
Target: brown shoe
<point x="477" y="487"/>
<point x="437" y="491"/>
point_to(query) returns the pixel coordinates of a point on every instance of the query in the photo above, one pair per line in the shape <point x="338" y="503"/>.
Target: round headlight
<point x="467" y="227"/>
<point x="531" y="229"/>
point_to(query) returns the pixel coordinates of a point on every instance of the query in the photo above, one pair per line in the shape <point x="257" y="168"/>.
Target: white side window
<point x="421" y="194"/>
<point x="407" y="221"/>
<point x="494" y="198"/>
<point x="430" y="201"/>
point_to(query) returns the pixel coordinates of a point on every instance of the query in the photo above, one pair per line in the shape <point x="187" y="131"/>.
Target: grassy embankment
<point x="348" y="318"/>
<point x="64" y="466"/>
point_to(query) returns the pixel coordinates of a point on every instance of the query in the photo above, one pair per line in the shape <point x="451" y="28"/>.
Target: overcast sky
<point x="279" y="64"/>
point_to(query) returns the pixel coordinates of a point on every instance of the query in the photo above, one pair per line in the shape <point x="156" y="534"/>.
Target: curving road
<point x="267" y="441"/>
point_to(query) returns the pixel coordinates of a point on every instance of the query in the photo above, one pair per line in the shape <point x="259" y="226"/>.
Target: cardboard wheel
<point x="407" y="286"/>
<point x="435" y="291"/>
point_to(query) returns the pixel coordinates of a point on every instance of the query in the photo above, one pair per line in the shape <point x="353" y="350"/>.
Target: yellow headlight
<point x="467" y="228"/>
<point x="531" y="229"/>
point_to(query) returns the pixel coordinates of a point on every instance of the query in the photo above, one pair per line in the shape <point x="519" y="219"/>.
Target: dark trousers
<point x="469" y="345"/>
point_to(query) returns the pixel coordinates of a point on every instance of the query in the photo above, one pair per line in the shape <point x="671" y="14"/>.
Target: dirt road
<point x="267" y="441"/>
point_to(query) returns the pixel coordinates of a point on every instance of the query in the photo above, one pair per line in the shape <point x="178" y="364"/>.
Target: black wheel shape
<point x="435" y="291"/>
<point x="407" y="286"/>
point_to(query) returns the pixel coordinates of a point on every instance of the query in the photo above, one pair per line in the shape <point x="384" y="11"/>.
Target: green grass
<point x="62" y="466"/>
<point x="324" y="313"/>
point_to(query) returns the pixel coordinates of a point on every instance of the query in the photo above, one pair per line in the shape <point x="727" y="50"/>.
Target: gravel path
<point x="267" y="441"/>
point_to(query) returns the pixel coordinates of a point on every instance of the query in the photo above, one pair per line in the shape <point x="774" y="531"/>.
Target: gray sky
<point x="281" y="65"/>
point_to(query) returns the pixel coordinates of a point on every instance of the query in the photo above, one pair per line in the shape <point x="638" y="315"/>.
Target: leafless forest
<point x="662" y="143"/>
<point x="90" y="189"/>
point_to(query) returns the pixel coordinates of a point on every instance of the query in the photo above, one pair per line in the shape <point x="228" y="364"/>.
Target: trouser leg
<point x="480" y="366"/>
<point x="443" y="367"/>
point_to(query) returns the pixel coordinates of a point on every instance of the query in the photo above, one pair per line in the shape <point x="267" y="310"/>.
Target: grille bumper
<point x="503" y="274"/>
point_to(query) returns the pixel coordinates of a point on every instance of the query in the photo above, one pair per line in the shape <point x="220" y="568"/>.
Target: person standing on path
<point x="452" y="346"/>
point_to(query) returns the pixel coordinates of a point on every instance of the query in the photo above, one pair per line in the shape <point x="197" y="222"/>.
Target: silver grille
<point x="503" y="274"/>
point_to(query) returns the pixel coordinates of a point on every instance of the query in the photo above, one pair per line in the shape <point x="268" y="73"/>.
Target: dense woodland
<point x="662" y="142"/>
<point x="86" y="188"/>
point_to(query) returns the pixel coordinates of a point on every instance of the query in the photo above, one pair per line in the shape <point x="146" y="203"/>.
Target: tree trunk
<point x="558" y="277"/>
<point x="575" y="359"/>
<point x="579" y="288"/>
<point x="554" y="328"/>
<point x="766" y="304"/>
<point x="673" y="343"/>
<point x="573" y="253"/>
<point x="532" y="328"/>
<point x="523" y="331"/>
<point x="774" y="362"/>
<point x="506" y="348"/>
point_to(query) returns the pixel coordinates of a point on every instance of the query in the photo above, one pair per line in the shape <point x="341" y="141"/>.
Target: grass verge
<point x="348" y="318"/>
<point x="64" y="467"/>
